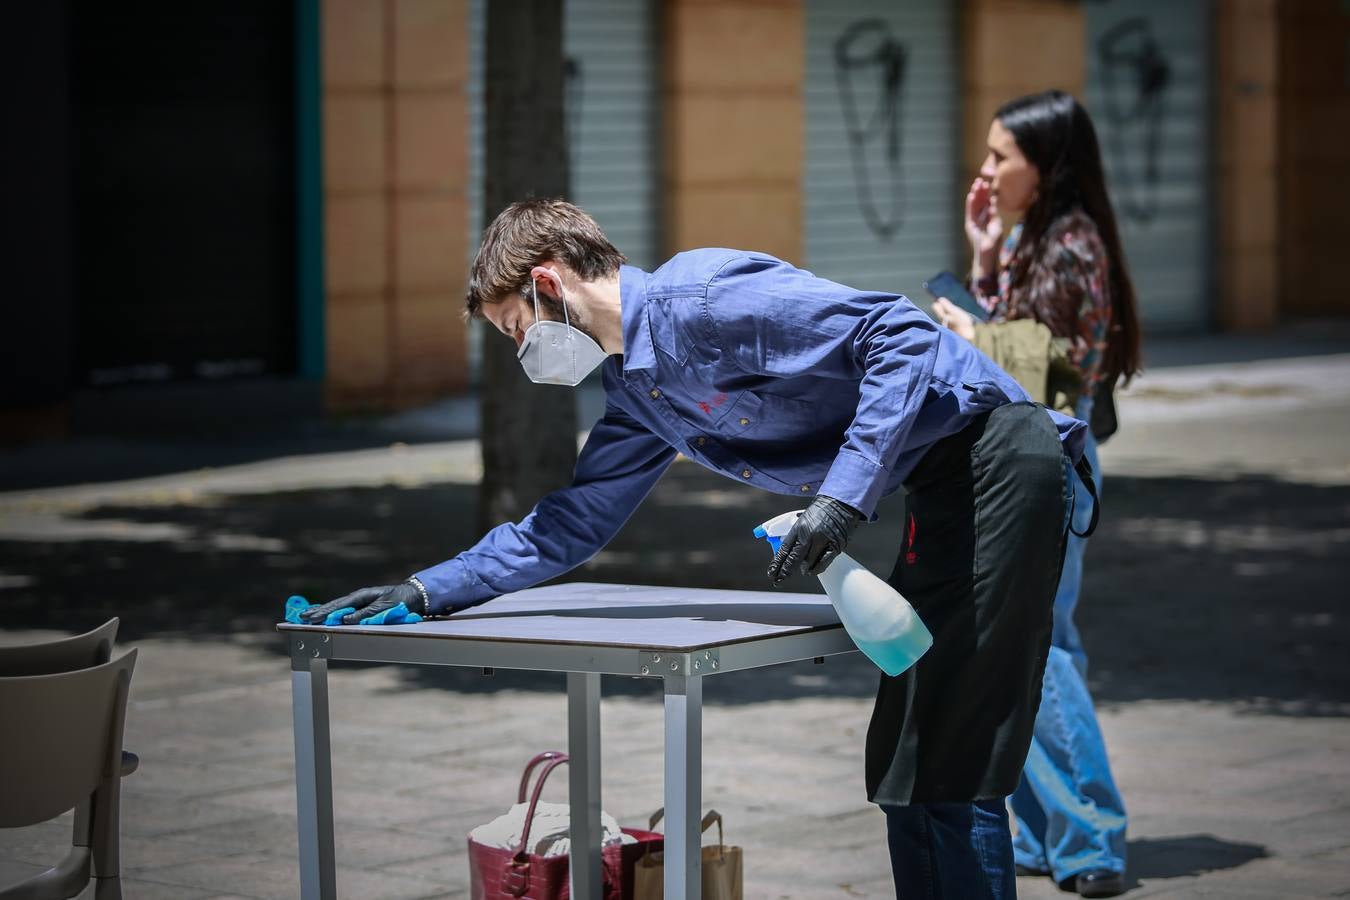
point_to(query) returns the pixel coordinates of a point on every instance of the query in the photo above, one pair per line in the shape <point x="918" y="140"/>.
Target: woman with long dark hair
<point x="1061" y="265"/>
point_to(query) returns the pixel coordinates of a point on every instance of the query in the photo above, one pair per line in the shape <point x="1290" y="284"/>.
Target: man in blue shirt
<point x="773" y="377"/>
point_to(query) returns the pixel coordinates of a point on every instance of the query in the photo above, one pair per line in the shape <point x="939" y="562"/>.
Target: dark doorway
<point x="184" y="189"/>
<point x="1314" y="112"/>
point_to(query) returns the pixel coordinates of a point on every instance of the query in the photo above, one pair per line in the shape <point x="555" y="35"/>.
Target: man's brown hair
<point x="525" y="234"/>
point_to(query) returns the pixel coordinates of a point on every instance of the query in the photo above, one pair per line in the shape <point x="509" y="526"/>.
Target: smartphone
<point x="945" y="284"/>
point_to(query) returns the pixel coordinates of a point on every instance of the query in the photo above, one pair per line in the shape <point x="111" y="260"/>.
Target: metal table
<point x="679" y="635"/>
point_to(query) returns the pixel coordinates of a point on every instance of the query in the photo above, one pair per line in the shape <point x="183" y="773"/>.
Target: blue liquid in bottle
<point x="881" y="622"/>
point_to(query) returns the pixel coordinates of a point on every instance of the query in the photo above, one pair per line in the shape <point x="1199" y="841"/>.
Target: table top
<point x="621" y="616"/>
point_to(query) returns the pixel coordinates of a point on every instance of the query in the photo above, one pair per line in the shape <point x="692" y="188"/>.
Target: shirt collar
<point x="638" y="352"/>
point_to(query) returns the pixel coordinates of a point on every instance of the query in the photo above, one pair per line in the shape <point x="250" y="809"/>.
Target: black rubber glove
<point x="370" y="601"/>
<point x="820" y="534"/>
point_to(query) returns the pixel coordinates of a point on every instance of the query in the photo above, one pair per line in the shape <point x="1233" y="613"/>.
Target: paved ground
<point x="1215" y="614"/>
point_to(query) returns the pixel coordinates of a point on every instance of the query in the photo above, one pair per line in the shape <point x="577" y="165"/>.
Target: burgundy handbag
<point x="496" y="873"/>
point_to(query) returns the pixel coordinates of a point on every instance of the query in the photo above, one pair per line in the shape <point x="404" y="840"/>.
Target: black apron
<point x="985" y="519"/>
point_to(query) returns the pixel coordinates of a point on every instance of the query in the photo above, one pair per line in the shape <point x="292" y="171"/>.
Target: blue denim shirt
<point x="763" y="373"/>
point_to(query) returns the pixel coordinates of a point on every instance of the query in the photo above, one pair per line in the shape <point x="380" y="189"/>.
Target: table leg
<point x="684" y="787"/>
<point x="313" y="779"/>
<point x="583" y="782"/>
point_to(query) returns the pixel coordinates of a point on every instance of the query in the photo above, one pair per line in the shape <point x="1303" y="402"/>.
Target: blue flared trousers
<point x="1070" y="817"/>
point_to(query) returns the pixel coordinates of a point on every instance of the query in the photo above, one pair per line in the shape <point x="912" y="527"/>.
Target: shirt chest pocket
<point x="765" y="417"/>
<point x="740" y="417"/>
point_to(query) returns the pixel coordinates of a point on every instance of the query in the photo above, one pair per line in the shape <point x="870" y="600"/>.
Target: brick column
<point x="1246" y="183"/>
<point x="395" y="192"/>
<point x="1011" y="48"/>
<point x="734" y="134"/>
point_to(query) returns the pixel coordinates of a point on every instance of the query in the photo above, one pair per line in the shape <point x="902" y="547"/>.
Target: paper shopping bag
<point x="723" y="875"/>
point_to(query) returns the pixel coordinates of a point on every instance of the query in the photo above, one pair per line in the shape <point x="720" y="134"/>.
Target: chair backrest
<point x="63" y="735"/>
<point x="62" y="655"/>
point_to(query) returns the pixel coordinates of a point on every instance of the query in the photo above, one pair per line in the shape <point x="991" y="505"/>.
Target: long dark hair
<point x="1054" y="133"/>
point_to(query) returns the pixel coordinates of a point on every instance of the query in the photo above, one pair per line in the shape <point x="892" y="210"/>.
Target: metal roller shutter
<point x="611" y="119"/>
<point x="882" y="105"/>
<point x="1150" y="90"/>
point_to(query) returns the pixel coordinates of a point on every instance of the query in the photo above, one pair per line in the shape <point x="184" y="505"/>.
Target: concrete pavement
<point x="1213" y="611"/>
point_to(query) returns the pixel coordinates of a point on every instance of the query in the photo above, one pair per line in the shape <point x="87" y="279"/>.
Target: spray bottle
<point x="880" y="621"/>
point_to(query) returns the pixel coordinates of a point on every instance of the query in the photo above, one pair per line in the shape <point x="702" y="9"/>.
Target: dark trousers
<point x="986" y="513"/>
<point x="951" y="851"/>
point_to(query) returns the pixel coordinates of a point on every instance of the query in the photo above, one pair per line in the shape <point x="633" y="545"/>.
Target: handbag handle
<point x="708" y="819"/>
<point x="522" y="793"/>
<point x="554" y="759"/>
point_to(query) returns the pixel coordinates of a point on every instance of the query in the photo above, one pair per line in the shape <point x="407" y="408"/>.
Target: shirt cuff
<point x="452" y="586"/>
<point x="857" y="481"/>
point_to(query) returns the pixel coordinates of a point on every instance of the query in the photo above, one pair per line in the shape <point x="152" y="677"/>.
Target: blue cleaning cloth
<point x="295" y="605"/>
<point x="398" y="615"/>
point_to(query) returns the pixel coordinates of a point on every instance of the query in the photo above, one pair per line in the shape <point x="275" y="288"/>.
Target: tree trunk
<point x="528" y="431"/>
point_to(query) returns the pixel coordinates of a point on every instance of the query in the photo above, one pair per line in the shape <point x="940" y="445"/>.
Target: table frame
<point x="682" y="670"/>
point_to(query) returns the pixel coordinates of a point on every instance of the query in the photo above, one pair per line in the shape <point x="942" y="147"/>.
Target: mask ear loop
<point x="534" y="288"/>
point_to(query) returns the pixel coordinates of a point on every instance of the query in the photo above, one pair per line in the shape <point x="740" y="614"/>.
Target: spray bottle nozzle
<point x="777" y="528"/>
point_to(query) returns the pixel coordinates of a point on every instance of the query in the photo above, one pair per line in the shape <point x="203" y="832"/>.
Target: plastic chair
<point x="64" y="705"/>
<point x="93" y="648"/>
<point x="81" y="651"/>
<point x="67" y="654"/>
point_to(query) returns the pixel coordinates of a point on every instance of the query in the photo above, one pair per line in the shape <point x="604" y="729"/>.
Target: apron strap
<point x="1084" y="470"/>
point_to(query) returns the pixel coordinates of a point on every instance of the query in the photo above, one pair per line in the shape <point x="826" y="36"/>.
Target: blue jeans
<point x="951" y="851"/>
<point x="1070" y="817"/>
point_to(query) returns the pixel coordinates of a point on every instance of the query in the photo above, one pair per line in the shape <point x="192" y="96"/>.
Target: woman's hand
<point x="954" y="317"/>
<point x="983" y="226"/>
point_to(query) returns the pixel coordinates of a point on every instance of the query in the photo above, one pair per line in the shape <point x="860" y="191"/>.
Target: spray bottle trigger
<point x="775" y="541"/>
<point x="777" y="528"/>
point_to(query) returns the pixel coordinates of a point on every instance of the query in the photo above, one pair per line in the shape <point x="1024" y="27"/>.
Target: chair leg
<point x="107" y="829"/>
<point x="108" y="888"/>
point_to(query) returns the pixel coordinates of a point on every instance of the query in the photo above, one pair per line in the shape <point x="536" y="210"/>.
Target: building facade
<point x="290" y="193"/>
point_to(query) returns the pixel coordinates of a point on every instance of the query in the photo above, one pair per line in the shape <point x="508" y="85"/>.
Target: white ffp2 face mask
<point x="555" y="352"/>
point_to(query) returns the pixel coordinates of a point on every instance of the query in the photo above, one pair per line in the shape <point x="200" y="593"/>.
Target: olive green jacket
<point x="1036" y="359"/>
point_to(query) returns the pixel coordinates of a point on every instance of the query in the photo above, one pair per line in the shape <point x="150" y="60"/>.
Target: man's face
<point x="512" y="316"/>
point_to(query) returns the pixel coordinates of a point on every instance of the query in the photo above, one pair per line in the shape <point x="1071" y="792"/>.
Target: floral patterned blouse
<point x="1067" y="290"/>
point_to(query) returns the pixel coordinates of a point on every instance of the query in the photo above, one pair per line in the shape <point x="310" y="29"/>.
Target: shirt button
<point x="745" y="421"/>
<point x="702" y="441"/>
<point x="806" y="488"/>
<point x="656" y="395"/>
<point x="745" y="473"/>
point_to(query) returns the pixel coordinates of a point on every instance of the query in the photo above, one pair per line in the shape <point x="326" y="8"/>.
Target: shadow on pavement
<point x="146" y="430"/>
<point x="1195" y="589"/>
<point x="1191" y="854"/>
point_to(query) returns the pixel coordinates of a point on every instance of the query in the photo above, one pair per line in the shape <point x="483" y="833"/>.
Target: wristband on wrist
<point x="422" y="591"/>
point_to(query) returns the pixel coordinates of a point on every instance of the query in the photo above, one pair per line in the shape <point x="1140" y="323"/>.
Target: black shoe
<point x="1100" y="883"/>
